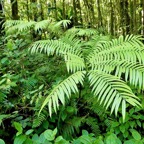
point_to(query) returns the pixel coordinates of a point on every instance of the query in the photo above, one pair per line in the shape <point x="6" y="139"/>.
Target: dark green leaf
<point x="20" y="139"/>
<point x="18" y="127"/>
<point x="135" y="134"/>
<point x="2" y="142"/>
<point x="48" y="134"/>
<point x="28" y="132"/>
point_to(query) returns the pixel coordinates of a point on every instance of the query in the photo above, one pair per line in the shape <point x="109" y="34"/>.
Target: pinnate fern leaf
<point x="125" y="42"/>
<point x="93" y="124"/>
<point x="63" y="23"/>
<point x="65" y="88"/>
<point x="74" y="63"/>
<point x="41" y="25"/>
<point x="133" y="71"/>
<point x="122" y="55"/>
<point x="50" y="47"/>
<point x="83" y="32"/>
<point x="71" y="126"/>
<point x="130" y="49"/>
<point x="38" y="120"/>
<point x="21" y="26"/>
<point x="112" y="91"/>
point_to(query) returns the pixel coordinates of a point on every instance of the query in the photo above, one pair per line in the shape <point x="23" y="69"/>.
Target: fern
<point x="41" y="25"/>
<point x="48" y="26"/>
<point x="70" y="126"/>
<point x="66" y="87"/>
<point x="121" y="55"/>
<point x="21" y="26"/>
<point x="10" y="23"/>
<point x="83" y="32"/>
<point x="92" y="123"/>
<point x="95" y="107"/>
<point x="53" y="46"/>
<point x="112" y="90"/>
<point x="119" y="47"/>
<point x="74" y="63"/>
<point x="63" y="23"/>
<point x="38" y="120"/>
<point x="104" y="61"/>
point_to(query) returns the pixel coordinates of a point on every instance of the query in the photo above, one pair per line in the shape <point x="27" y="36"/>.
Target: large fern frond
<point x="10" y="23"/>
<point x="123" y="42"/>
<point x="53" y="46"/>
<point x="131" y="50"/>
<point x="17" y="25"/>
<point x="122" y="56"/>
<point x="83" y="32"/>
<point x="71" y="39"/>
<point x="112" y="91"/>
<point x="95" y="41"/>
<point x="132" y="71"/>
<point x="21" y="26"/>
<point x="42" y="25"/>
<point x="65" y="88"/>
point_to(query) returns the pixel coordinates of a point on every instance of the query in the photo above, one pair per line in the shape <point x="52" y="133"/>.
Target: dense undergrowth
<point x="63" y="86"/>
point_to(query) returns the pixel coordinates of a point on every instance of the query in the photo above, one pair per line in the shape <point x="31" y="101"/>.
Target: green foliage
<point x="2" y="142"/>
<point x="105" y="58"/>
<point x="132" y="128"/>
<point x="66" y="87"/>
<point x="68" y="82"/>
<point x="38" y="120"/>
<point x="49" y="136"/>
<point x="43" y="27"/>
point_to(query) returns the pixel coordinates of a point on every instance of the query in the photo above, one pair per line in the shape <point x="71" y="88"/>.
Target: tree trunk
<point x="1" y="17"/>
<point x="134" y="18"/>
<point x="34" y="10"/>
<point x="111" y="19"/>
<point x="100" y="23"/>
<point x="64" y="10"/>
<point x="89" y="6"/>
<point x="41" y="10"/>
<point x="92" y="16"/>
<point x="87" y="14"/>
<point x="75" y="17"/>
<point x="79" y="10"/>
<point x="131" y="14"/>
<point x="142" y="17"/>
<point x="55" y="8"/>
<point x="27" y="7"/>
<point x="125" y="19"/>
<point x="14" y="7"/>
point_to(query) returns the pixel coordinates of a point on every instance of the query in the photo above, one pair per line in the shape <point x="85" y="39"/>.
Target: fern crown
<point x="104" y="62"/>
<point x="108" y="64"/>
